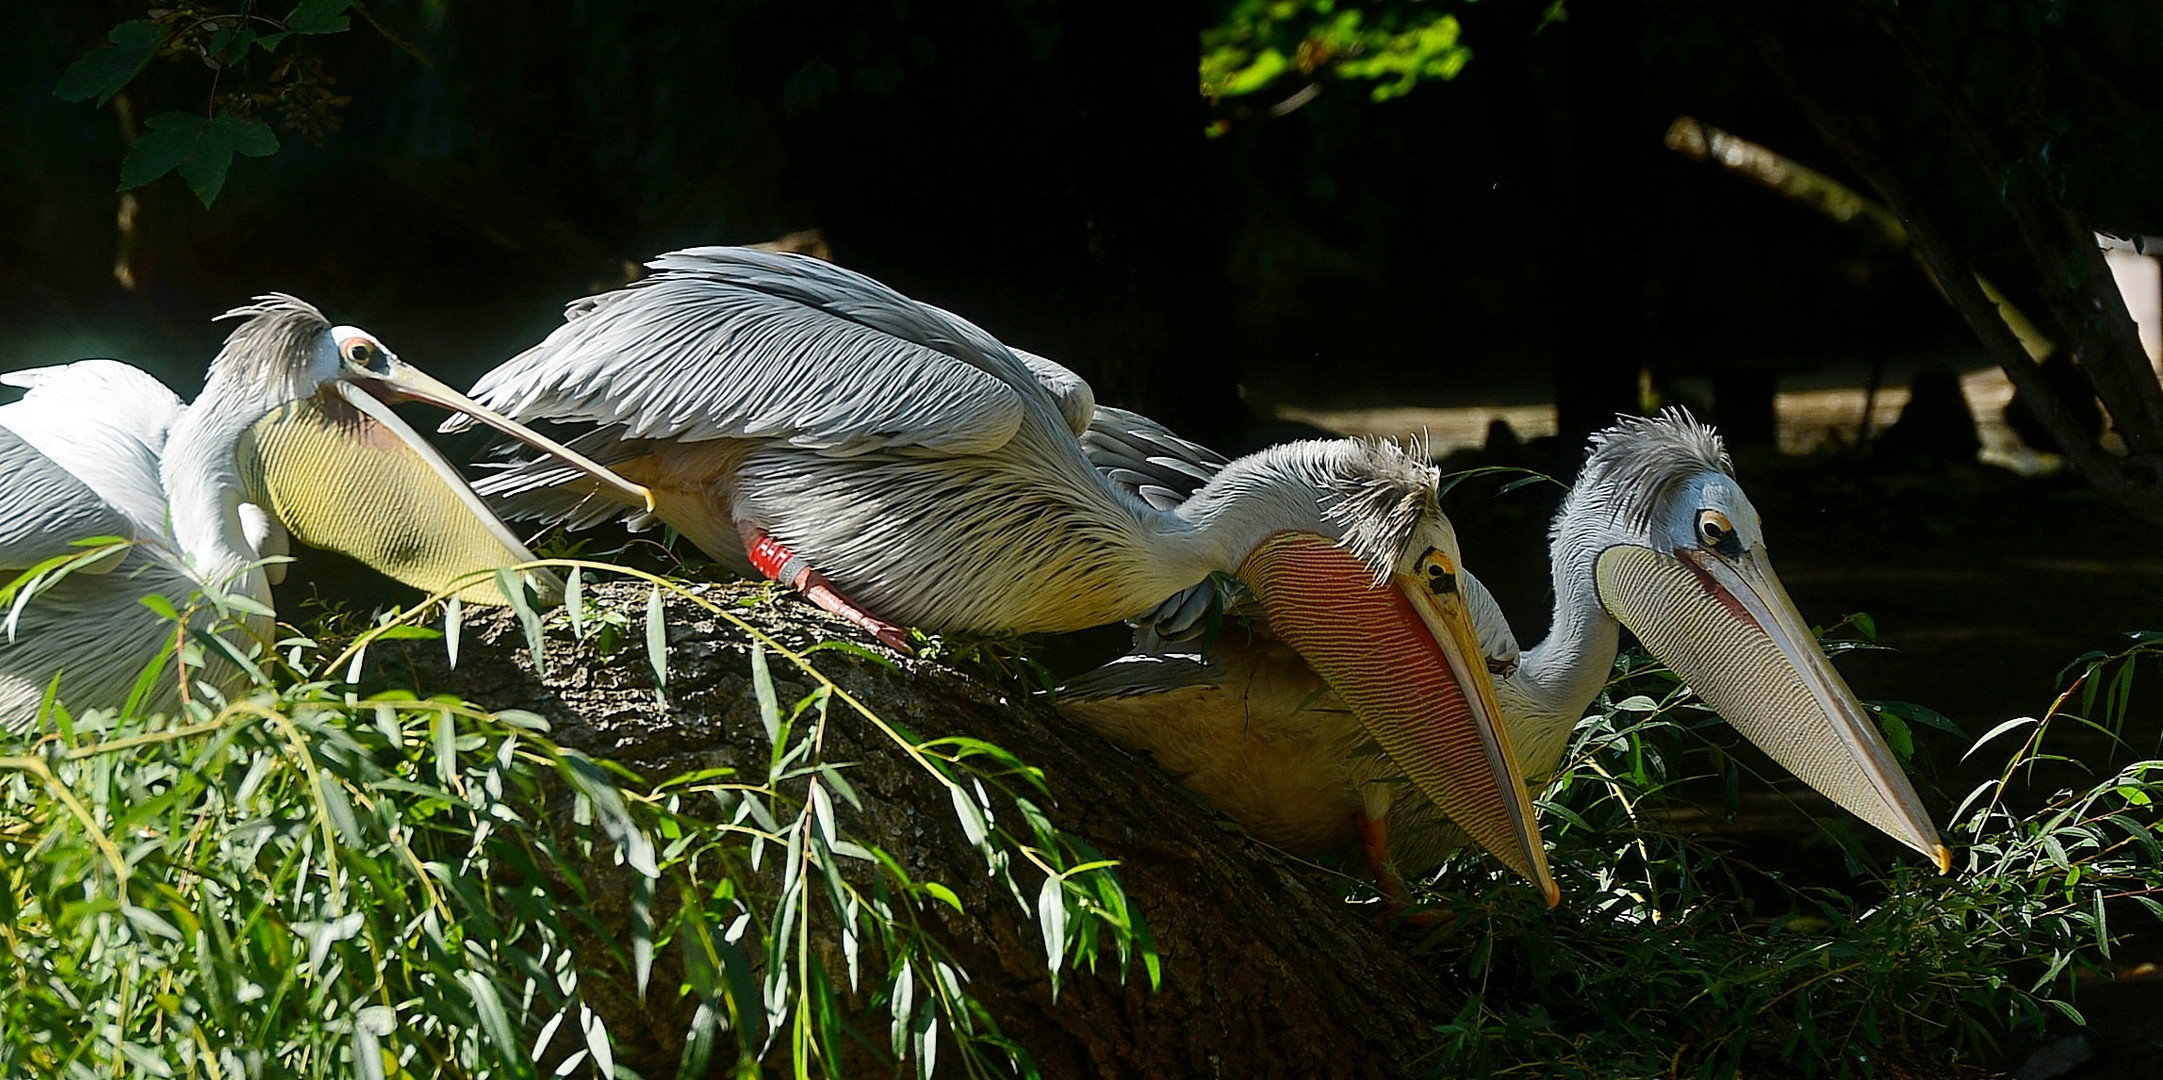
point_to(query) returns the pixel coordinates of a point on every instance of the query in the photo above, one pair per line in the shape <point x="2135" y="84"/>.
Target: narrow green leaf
<point x="971" y="817"/>
<point x="445" y="735"/>
<point x="762" y="687"/>
<point x="574" y="601"/>
<point x="514" y="592"/>
<point x="2009" y="725"/>
<point x="496" y="1022"/>
<point x="604" y="1062"/>
<point x="333" y="797"/>
<point x="657" y="643"/>
<point x="1051" y="919"/>
<point x="900" y="1004"/>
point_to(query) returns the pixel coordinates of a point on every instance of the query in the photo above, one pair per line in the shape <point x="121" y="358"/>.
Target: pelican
<point x="291" y="436"/>
<point x="800" y="421"/>
<point x="1655" y="535"/>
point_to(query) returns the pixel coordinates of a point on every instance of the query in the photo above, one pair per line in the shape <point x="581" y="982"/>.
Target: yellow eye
<point x="1715" y="531"/>
<point x="1438" y="572"/>
<point x="361" y="352"/>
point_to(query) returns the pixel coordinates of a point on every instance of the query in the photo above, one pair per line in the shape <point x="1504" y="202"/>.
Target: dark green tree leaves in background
<point x="259" y="72"/>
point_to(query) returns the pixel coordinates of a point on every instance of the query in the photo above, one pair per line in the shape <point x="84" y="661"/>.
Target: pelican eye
<point x="363" y="353"/>
<point x="1715" y="531"/>
<point x="1440" y="574"/>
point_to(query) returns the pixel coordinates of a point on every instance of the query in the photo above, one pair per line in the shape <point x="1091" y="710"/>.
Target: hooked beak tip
<point x="1944" y="857"/>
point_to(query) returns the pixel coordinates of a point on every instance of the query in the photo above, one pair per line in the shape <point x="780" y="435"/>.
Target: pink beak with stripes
<point x="1403" y="655"/>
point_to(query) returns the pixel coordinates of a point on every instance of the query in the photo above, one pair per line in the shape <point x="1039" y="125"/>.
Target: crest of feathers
<point x="1381" y="500"/>
<point x="1634" y="465"/>
<point x="279" y="327"/>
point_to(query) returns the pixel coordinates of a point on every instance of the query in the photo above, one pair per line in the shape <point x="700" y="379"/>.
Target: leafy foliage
<point x="294" y="90"/>
<point x="201" y="149"/>
<point x="1279" y="45"/>
<point x="104" y="70"/>
<point x="297" y="879"/>
<point x="1673" y="957"/>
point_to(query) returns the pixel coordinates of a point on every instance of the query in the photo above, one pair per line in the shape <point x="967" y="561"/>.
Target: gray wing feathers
<point x="1141" y="674"/>
<point x="1146" y="459"/>
<point x="543" y="488"/>
<point x="43" y="507"/>
<point x="96" y="635"/>
<point x="114" y="394"/>
<point x="1077" y="402"/>
<point x="104" y="423"/>
<point x="729" y="343"/>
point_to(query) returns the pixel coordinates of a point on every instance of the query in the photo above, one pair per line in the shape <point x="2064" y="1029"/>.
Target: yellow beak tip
<point x="1944" y="856"/>
<point x="1554" y="893"/>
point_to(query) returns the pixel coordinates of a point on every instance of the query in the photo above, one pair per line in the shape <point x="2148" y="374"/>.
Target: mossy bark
<point x="1267" y="970"/>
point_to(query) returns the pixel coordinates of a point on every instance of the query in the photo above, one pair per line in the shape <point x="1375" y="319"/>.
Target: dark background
<point x="1514" y="234"/>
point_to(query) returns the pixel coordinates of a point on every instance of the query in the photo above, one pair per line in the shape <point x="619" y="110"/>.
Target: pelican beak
<point x="1728" y="629"/>
<point x="404" y="382"/>
<point x="342" y="471"/>
<point x="1407" y="662"/>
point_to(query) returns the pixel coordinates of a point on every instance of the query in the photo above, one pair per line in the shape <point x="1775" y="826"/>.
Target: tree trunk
<point x="1267" y="971"/>
<point x="2088" y="316"/>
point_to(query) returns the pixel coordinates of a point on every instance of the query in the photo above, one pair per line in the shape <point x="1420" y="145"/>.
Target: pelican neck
<point x="200" y="470"/>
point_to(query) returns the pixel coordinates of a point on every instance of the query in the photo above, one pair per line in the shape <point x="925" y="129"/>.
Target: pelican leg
<point x="1396" y="898"/>
<point x="771" y="558"/>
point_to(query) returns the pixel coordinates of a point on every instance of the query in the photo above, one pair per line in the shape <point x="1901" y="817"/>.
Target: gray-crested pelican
<point x="809" y="424"/>
<point x="291" y="435"/>
<point x="1655" y="535"/>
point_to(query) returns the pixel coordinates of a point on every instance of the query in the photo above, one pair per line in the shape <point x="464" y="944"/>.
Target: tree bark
<point x="1267" y="971"/>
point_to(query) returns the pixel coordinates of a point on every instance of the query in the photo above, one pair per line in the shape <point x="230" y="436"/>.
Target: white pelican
<point x="291" y="433"/>
<point x="798" y="420"/>
<point x="1656" y="535"/>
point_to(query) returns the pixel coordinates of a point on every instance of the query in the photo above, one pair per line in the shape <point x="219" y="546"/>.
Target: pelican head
<point x="1377" y="609"/>
<point x="1678" y="555"/>
<point x="327" y="457"/>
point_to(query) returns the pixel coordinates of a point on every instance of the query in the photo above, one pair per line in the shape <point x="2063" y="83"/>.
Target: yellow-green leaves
<point x="1291" y="46"/>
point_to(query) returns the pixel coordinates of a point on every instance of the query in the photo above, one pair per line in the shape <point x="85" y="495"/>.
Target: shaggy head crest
<point x="1382" y="495"/>
<point x="1634" y="465"/>
<point x="267" y="349"/>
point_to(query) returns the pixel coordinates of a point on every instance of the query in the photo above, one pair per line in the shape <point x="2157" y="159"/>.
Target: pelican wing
<point x="1144" y="457"/>
<point x="1143" y="674"/>
<point x="732" y="343"/>
<point x="107" y="392"/>
<point x="44" y="507"/>
<point x="104" y="423"/>
<point x="1077" y="402"/>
